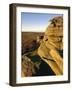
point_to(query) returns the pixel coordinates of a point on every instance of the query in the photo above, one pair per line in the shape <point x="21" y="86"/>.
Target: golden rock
<point x="53" y="41"/>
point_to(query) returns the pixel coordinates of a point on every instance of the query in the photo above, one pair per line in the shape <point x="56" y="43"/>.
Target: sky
<point x="36" y="21"/>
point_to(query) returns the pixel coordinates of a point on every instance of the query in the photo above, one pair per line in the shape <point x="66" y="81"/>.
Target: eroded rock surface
<point x="51" y="45"/>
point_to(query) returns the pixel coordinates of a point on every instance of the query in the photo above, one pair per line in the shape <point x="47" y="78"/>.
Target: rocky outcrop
<point x="55" y="27"/>
<point x="51" y="43"/>
<point x="54" y="33"/>
<point x="28" y="66"/>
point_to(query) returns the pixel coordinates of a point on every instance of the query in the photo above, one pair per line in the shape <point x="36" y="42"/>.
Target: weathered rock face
<point x="28" y="66"/>
<point x="52" y="42"/>
<point x="55" y="27"/>
<point x="54" y="33"/>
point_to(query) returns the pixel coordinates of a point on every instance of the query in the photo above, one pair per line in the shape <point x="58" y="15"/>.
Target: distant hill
<point x="29" y="38"/>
